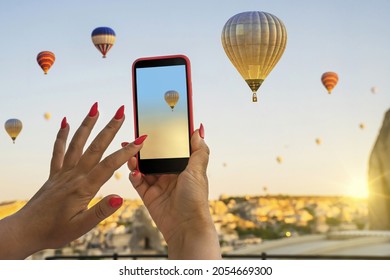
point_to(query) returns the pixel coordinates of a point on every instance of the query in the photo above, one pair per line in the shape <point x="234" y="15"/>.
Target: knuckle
<point x="94" y="147"/>
<point x="108" y="163"/>
<point x="111" y="126"/>
<point x="100" y="212"/>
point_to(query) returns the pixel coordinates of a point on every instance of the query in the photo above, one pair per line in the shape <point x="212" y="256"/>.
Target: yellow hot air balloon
<point x="329" y="80"/>
<point x="318" y="141"/>
<point x="171" y="97"/>
<point x="279" y="159"/>
<point x="362" y="126"/>
<point x="47" y="116"/>
<point x="254" y="42"/>
<point x="118" y="175"/>
<point x="13" y="128"/>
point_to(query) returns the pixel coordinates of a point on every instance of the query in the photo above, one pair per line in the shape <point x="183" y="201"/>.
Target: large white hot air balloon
<point x="254" y="42"/>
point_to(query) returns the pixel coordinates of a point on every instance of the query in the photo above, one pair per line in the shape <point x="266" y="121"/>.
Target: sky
<point x="349" y="37"/>
<point x="167" y="128"/>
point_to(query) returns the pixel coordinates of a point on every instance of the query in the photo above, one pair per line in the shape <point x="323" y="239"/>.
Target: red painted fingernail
<point x="64" y="123"/>
<point x="115" y="201"/>
<point x="201" y="131"/>
<point x="119" y="114"/>
<point x="93" y="111"/>
<point x="135" y="173"/>
<point x="140" y="139"/>
<point x="124" y="144"/>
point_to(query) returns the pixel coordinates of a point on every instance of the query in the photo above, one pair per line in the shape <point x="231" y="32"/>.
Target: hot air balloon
<point x="362" y="126"/>
<point x="47" y="116"/>
<point x="374" y="90"/>
<point x="329" y="80"/>
<point x="118" y="175"/>
<point x="46" y="59"/>
<point x="254" y="42"/>
<point x="103" y="38"/>
<point x="279" y="159"/>
<point x="318" y="141"/>
<point x="171" y="97"/>
<point x="13" y="128"/>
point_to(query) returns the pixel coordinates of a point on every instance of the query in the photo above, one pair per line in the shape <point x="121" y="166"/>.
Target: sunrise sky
<point x="349" y="37"/>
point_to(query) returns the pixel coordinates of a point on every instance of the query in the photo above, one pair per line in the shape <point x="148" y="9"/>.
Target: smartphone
<point x="162" y="100"/>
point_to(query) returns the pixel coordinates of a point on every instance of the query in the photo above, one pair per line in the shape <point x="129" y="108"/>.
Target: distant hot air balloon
<point x="329" y="80"/>
<point x="374" y="90"/>
<point x="47" y="116"/>
<point x="103" y="38"/>
<point x="118" y="175"/>
<point x="13" y="128"/>
<point x="279" y="159"/>
<point x="318" y="141"/>
<point x="46" y="59"/>
<point x="171" y="97"/>
<point x="254" y="42"/>
<point x="362" y="126"/>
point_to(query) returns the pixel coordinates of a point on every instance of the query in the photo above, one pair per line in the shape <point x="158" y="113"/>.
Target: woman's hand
<point x="58" y="213"/>
<point x="179" y="205"/>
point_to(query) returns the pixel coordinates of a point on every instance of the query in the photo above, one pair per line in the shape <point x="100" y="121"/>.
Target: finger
<point x="94" y="153"/>
<point x="106" y="168"/>
<point x="76" y="146"/>
<point x="59" y="148"/>
<point x="199" y="152"/>
<point x="132" y="163"/>
<point x="100" y="211"/>
<point x="140" y="185"/>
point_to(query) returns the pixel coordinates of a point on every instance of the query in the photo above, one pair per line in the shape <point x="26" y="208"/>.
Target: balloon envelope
<point x="279" y="159"/>
<point x="47" y="116"/>
<point x="13" y="128"/>
<point x="46" y="59"/>
<point x="103" y="38"/>
<point x="318" y="141"/>
<point x="254" y="42"/>
<point x="171" y="97"/>
<point x="329" y="80"/>
<point x="374" y="90"/>
<point x="118" y="175"/>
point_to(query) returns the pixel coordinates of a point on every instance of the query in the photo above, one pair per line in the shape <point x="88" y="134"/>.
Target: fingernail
<point x="64" y="123"/>
<point x="124" y="144"/>
<point x="140" y="139"/>
<point x="93" y="111"/>
<point x="115" y="201"/>
<point x="119" y="114"/>
<point x="135" y="172"/>
<point x="201" y="131"/>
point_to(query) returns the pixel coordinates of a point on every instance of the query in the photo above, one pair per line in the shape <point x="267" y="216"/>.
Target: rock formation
<point x="145" y="236"/>
<point x="379" y="179"/>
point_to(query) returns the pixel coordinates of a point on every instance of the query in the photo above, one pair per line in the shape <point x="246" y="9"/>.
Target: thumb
<point x="101" y="210"/>
<point x="200" y="152"/>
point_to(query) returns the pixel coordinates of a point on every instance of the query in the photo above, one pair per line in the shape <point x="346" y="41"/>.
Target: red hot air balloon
<point x="329" y="80"/>
<point x="46" y="59"/>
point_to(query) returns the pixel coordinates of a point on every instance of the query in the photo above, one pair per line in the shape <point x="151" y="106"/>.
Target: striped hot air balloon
<point x="254" y="42"/>
<point x="46" y="59"/>
<point x="329" y="80"/>
<point x="13" y="128"/>
<point x="103" y="38"/>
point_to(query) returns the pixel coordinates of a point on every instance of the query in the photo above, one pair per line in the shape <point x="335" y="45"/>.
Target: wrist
<point x="195" y="240"/>
<point x="16" y="241"/>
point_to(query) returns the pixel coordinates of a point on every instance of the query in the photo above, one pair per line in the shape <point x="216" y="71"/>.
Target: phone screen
<point x="163" y="110"/>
